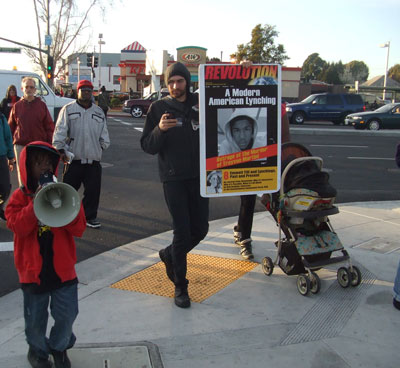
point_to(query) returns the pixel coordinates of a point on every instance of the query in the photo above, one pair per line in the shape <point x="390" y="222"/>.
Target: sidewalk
<point x="254" y="321"/>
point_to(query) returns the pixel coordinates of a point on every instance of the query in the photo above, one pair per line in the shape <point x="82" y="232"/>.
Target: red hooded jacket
<point x="22" y="221"/>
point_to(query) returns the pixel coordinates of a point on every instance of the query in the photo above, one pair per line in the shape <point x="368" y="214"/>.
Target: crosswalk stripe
<point x="6" y="247"/>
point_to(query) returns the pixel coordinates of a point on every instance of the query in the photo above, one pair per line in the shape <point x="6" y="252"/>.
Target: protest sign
<point x="240" y="130"/>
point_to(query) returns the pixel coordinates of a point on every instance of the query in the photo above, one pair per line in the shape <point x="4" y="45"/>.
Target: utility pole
<point x="49" y="80"/>
<point x="101" y="42"/>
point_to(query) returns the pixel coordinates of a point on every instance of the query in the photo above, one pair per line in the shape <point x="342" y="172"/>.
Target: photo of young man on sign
<point x="239" y="131"/>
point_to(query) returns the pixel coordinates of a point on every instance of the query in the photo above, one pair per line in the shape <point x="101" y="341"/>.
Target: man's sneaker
<point x="246" y="249"/>
<point x="36" y="361"/>
<point x="182" y="299"/>
<point x="168" y="264"/>
<point x="396" y="303"/>
<point x="94" y="224"/>
<point x="236" y="235"/>
<point x="61" y="359"/>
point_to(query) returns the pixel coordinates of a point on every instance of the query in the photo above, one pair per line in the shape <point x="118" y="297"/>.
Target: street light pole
<point x="101" y="42"/>
<point x="387" y="44"/>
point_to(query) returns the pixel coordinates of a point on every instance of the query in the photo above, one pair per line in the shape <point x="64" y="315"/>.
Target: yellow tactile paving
<point x="207" y="275"/>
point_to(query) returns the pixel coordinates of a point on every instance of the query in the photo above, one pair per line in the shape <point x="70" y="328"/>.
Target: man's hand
<point x="246" y="63"/>
<point x="11" y="164"/>
<point x="166" y="123"/>
<point x="63" y="157"/>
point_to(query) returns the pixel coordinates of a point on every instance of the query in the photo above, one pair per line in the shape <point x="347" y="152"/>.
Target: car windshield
<point x="148" y="97"/>
<point x="385" y="108"/>
<point x="308" y="99"/>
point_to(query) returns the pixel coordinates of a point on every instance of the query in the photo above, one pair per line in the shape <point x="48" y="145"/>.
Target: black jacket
<point x="5" y="106"/>
<point x="178" y="147"/>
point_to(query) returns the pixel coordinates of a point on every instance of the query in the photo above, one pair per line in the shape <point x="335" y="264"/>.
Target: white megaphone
<point x="56" y="204"/>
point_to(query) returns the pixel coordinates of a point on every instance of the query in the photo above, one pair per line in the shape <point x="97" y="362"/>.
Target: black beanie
<point x="178" y="69"/>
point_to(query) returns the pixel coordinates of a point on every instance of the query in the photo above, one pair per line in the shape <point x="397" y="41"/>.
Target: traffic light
<point x="89" y="57"/>
<point x="96" y="61"/>
<point x="50" y="65"/>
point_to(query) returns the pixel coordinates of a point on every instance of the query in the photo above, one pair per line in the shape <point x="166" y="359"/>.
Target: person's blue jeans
<point x="396" y="288"/>
<point x="63" y="309"/>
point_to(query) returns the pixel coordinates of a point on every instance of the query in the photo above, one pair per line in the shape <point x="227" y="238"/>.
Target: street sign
<point x="47" y="40"/>
<point x="13" y="50"/>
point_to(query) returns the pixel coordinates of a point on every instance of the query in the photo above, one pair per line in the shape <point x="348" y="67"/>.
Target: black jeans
<point x="189" y="213"/>
<point x="5" y="185"/>
<point x="246" y="212"/>
<point x="90" y="176"/>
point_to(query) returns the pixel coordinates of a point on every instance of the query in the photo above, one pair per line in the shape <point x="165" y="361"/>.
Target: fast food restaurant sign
<point x="192" y="56"/>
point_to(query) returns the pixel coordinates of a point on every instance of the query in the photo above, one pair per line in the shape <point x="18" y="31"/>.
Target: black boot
<point x="182" y="299"/>
<point x="36" y="361"/>
<point x="61" y="359"/>
<point x="168" y="264"/>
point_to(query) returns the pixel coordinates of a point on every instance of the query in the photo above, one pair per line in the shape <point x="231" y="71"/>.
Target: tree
<point x="261" y="48"/>
<point x="313" y="67"/>
<point x="65" y="23"/>
<point x="394" y="72"/>
<point x="214" y="59"/>
<point x="354" y="71"/>
<point x="331" y="73"/>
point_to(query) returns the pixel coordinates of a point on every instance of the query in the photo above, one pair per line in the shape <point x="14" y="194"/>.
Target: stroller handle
<point x="319" y="161"/>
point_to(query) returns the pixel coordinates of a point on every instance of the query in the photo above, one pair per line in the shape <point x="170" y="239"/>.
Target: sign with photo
<point x="240" y="130"/>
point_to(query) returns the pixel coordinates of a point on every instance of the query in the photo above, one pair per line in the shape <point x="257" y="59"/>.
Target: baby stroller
<point x="301" y="209"/>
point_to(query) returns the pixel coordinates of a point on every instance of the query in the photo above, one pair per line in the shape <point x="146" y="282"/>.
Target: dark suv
<point x="325" y="106"/>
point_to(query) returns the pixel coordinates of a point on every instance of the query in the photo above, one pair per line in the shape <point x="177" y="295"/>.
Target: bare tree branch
<point x="67" y="23"/>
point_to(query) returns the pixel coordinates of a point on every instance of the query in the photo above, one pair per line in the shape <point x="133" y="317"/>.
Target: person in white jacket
<point x="81" y="134"/>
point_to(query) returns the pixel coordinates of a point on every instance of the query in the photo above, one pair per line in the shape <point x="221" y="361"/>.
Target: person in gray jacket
<point x="80" y="136"/>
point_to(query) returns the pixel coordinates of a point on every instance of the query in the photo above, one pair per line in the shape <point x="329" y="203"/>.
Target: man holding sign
<point x="171" y="131"/>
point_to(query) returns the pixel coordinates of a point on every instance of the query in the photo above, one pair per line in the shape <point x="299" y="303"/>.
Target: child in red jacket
<point x="45" y="259"/>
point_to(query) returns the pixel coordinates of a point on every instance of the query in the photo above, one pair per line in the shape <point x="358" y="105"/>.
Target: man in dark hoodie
<point x="171" y="131"/>
<point x="45" y="259"/>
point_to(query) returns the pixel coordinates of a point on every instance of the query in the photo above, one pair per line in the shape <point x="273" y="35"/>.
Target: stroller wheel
<point x="267" y="266"/>
<point x="344" y="277"/>
<point x="315" y="283"/>
<point x="355" y="276"/>
<point x="303" y="284"/>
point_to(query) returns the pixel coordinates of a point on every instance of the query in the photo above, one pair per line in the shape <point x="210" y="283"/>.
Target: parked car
<point x="325" y="106"/>
<point x="371" y="101"/>
<point x="138" y="107"/>
<point x="386" y="117"/>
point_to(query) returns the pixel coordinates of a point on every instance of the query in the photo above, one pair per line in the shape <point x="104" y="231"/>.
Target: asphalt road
<point x="132" y="206"/>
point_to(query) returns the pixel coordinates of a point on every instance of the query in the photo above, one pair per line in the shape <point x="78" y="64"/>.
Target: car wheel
<point x="374" y="125"/>
<point x="136" y="112"/>
<point x="298" y="117"/>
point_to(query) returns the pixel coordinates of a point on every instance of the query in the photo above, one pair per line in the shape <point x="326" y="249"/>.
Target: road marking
<point x="370" y="158"/>
<point x="139" y="129"/>
<point x="336" y="145"/>
<point x="369" y="217"/>
<point x="6" y="247"/>
<point x="125" y="123"/>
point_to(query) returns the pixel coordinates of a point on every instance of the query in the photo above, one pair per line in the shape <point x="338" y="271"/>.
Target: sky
<point x="343" y="30"/>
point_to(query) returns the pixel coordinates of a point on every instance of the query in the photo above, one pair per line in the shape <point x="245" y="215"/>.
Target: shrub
<point x="115" y="101"/>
